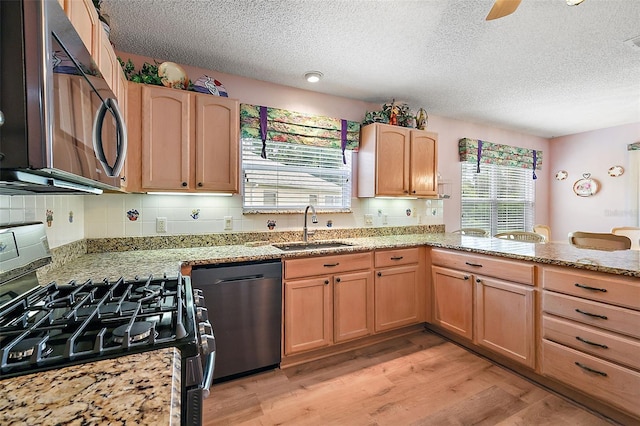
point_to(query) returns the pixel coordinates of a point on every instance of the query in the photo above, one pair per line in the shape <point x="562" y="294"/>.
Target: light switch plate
<point x="368" y="219"/>
<point x="161" y="224"/>
<point x="228" y="223"/>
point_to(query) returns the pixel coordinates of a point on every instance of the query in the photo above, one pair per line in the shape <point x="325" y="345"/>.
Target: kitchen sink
<point x="311" y="245"/>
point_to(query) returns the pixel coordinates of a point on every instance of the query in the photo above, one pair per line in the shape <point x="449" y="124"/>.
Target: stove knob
<point x="202" y="314"/>
<point x="204" y="327"/>
<point x="198" y="297"/>
<point x="207" y="344"/>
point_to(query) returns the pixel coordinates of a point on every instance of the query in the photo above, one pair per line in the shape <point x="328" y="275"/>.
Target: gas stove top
<point x="61" y="324"/>
<point x="56" y="325"/>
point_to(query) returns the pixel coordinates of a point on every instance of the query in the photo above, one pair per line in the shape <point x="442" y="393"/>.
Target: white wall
<point x="593" y="152"/>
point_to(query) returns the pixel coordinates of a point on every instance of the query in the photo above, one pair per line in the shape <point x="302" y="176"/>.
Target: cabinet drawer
<point x="597" y="314"/>
<point x="510" y="270"/>
<point x="615" y="385"/>
<point x="310" y="266"/>
<point x="397" y="257"/>
<point x="594" y="286"/>
<point x="610" y="346"/>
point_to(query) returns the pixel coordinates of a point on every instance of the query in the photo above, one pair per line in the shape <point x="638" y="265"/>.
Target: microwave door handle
<point x="122" y="138"/>
<point x="113" y="171"/>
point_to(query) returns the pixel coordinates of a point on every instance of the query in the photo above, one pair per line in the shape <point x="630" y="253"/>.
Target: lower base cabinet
<point x="323" y="309"/>
<point x="505" y="319"/>
<point x="453" y="300"/>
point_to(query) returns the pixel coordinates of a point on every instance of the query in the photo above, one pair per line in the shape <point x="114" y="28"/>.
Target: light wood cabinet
<point x="398" y="288"/>
<point x="590" y="337"/>
<point x="397" y="161"/>
<point x="489" y="301"/>
<point x="453" y="300"/>
<point x="84" y="17"/>
<point x="504" y="319"/>
<point x="187" y="142"/>
<point x="327" y="300"/>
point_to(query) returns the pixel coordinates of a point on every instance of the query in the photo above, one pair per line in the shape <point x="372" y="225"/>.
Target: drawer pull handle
<point x="590" y="370"/>
<point x="397" y="258"/>
<point x="591" y="315"/>
<point x="586" y="287"/>
<point x="473" y="264"/>
<point x="591" y="343"/>
<point x="331" y="265"/>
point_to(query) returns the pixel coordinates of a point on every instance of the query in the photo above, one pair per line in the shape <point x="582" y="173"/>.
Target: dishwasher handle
<point x="243" y="278"/>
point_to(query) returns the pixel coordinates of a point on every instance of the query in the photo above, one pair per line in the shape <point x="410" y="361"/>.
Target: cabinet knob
<point x="466" y="277"/>
<point x="123" y="178"/>
<point x="326" y="282"/>
<point x="478" y="280"/>
<point x="200" y="184"/>
<point x="379" y="274"/>
<point x="337" y="280"/>
<point x="414" y="191"/>
<point x="184" y="183"/>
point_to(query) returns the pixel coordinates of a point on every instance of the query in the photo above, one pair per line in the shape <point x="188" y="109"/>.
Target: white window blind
<point x="294" y="176"/>
<point x="498" y="199"/>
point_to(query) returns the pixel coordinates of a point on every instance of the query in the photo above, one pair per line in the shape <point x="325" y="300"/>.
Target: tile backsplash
<point x="63" y="214"/>
<point x="75" y="217"/>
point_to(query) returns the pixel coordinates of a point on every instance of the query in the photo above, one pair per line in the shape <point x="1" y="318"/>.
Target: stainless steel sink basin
<point x="311" y="245"/>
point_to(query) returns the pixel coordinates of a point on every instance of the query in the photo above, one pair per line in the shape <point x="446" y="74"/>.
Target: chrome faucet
<point x="314" y="219"/>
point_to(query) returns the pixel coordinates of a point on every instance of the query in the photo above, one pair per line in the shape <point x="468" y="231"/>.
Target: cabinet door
<point x="308" y="314"/>
<point x="217" y="124"/>
<point x="108" y="62"/>
<point x="165" y="134"/>
<point x="504" y="319"/>
<point x="392" y="150"/>
<point x="84" y="17"/>
<point x="396" y="297"/>
<point x="352" y="305"/>
<point x="453" y="300"/>
<point x="423" y="164"/>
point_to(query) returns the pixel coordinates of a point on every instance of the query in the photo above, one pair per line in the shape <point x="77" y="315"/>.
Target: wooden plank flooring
<point x="420" y="379"/>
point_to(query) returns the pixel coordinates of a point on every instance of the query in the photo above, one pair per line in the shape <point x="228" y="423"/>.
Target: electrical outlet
<point x="161" y="224"/>
<point x="368" y="219"/>
<point x="228" y="223"/>
<point x="385" y="219"/>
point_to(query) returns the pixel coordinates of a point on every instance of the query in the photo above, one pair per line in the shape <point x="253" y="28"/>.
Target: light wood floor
<point x="419" y="379"/>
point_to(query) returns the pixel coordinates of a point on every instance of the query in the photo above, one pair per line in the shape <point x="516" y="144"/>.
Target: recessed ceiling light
<point x="313" y="76"/>
<point x="574" y="2"/>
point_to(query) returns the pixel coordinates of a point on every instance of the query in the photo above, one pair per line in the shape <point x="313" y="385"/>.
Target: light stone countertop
<point x="137" y="389"/>
<point x="128" y="264"/>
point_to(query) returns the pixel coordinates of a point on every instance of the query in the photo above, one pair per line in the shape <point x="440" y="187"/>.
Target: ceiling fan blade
<point x="502" y="8"/>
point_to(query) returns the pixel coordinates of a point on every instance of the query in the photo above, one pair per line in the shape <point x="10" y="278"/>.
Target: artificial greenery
<point x="404" y="116"/>
<point x="148" y="74"/>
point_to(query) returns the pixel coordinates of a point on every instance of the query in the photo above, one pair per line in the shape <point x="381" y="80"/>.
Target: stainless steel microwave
<point x="62" y="130"/>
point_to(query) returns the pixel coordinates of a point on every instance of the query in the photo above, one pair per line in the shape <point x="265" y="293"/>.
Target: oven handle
<point x="208" y="373"/>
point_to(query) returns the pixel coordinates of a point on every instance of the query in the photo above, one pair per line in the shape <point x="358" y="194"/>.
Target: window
<point x="293" y="176"/>
<point x="498" y="199"/>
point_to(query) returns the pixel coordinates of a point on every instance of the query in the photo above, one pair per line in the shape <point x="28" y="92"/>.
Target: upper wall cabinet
<point x="397" y="161"/>
<point x="84" y="17"/>
<point x="181" y="141"/>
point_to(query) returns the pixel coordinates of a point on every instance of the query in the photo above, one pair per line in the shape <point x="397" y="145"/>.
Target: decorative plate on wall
<point x="561" y="175"/>
<point x="586" y="186"/>
<point x="616" y="171"/>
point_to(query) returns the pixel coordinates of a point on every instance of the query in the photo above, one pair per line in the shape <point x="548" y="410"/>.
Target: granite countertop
<point x="128" y="264"/>
<point x="135" y="389"/>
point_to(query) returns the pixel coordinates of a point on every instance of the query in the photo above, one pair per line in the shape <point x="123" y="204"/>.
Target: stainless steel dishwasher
<point x="244" y="306"/>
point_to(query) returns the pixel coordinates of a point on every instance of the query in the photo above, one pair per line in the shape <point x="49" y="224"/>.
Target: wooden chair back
<point x="476" y="232"/>
<point x="599" y="241"/>
<point x="629" y="231"/>
<point x="531" y="237"/>
<point x="543" y="230"/>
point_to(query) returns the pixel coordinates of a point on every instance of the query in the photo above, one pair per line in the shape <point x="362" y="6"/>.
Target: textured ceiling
<point x="548" y="69"/>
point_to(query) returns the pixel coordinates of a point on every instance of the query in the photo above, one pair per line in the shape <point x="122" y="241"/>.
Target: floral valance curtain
<point x="483" y="152"/>
<point x="281" y="125"/>
<point x="634" y="146"/>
